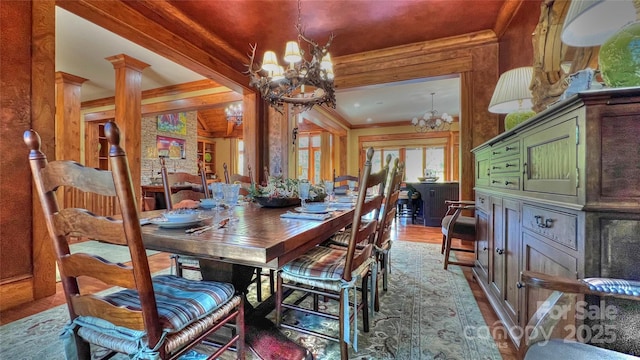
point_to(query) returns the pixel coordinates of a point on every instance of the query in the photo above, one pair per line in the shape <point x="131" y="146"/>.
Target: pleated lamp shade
<point x="592" y="22"/>
<point x="512" y="91"/>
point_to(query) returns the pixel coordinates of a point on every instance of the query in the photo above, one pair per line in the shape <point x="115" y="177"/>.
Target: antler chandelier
<point x="234" y="113"/>
<point x="430" y="121"/>
<point x="304" y="83"/>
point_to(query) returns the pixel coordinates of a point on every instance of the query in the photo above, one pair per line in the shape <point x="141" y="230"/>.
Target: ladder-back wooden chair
<point x="457" y="226"/>
<point x="341" y="182"/>
<point x="333" y="272"/>
<point x="161" y="317"/>
<point x="538" y="342"/>
<point x="383" y="233"/>
<point x="173" y="196"/>
<point x="172" y="181"/>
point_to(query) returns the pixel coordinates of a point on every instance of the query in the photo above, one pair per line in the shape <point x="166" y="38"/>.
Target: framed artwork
<point x="171" y="148"/>
<point x="173" y="123"/>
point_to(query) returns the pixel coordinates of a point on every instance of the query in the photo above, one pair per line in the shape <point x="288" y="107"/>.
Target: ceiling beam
<point x="507" y="13"/>
<point x="163" y="107"/>
<point x="121" y="19"/>
<point x="176" y="89"/>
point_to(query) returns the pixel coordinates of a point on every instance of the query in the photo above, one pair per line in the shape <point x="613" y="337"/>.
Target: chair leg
<point x="365" y="304"/>
<point x="344" y="350"/>
<point x="272" y="275"/>
<point x="385" y="271"/>
<point x="279" y="300"/>
<point x="444" y="241"/>
<point x="259" y="284"/>
<point x="82" y="347"/>
<point x="240" y="329"/>
<point x="447" y="251"/>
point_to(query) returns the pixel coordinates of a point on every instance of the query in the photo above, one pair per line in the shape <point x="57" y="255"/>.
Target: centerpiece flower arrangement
<point x="283" y="192"/>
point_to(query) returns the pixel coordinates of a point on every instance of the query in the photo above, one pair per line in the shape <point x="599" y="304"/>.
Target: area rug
<point x="427" y="313"/>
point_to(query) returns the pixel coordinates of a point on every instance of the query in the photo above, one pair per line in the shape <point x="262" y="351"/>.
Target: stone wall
<point x="151" y="162"/>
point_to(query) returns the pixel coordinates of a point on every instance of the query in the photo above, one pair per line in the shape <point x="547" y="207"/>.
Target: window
<point x="309" y="157"/>
<point x="241" y="167"/>
<point x="417" y="160"/>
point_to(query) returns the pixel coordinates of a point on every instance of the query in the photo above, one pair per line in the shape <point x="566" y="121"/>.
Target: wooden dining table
<point x="256" y="237"/>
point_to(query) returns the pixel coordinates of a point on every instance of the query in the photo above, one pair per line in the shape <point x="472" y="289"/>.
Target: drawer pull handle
<point x="543" y="224"/>
<point x="495" y="167"/>
<point x="500" y="251"/>
<point x="507" y="183"/>
<point x="485" y="248"/>
<point x="520" y="285"/>
<point x="509" y="165"/>
<point x="495" y="153"/>
<point x="509" y="148"/>
<point x="488" y="172"/>
<point x="481" y="200"/>
<point x="495" y="181"/>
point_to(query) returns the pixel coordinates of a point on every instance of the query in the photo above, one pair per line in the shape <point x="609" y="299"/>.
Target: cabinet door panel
<point x="511" y="243"/>
<point x="551" y="159"/>
<point x="497" y="265"/>
<point x="541" y="257"/>
<point x="482" y="244"/>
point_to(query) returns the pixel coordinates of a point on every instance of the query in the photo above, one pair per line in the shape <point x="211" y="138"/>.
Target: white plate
<point x="164" y="223"/>
<point x="301" y="210"/>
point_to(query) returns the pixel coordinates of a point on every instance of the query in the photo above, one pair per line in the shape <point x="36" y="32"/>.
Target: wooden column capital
<point x="66" y="78"/>
<point x="123" y="60"/>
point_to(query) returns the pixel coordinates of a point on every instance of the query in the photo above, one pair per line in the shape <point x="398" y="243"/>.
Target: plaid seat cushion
<point x="180" y="301"/>
<point x="321" y="263"/>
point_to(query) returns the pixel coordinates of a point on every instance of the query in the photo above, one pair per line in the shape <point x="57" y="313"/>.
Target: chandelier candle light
<point x="304" y="83"/>
<point x="234" y="113"/>
<point x="430" y="121"/>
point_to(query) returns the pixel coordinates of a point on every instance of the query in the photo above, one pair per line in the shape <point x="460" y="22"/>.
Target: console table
<point x="433" y="197"/>
<point x="560" y="194"/>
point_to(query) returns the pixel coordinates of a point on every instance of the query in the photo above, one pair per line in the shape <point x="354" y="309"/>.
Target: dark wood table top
<point x="259" y="237"/>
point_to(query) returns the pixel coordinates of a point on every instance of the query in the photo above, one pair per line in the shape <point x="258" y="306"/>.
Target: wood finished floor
<point x="404" y="232"/>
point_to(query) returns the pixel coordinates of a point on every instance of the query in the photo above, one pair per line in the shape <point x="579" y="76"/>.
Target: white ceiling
<point x="81" y="49"/>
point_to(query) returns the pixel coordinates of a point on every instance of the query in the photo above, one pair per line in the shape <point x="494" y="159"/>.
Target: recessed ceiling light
<point x="369" y="119"/>
<point x="356" y="105"/>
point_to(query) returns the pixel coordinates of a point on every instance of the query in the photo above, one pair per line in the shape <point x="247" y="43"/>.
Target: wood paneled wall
<point x="27" y="53"/>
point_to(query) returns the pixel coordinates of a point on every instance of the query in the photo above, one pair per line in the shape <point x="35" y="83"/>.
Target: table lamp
<point x="512" y="96"/>
<point x="614" y="25"/>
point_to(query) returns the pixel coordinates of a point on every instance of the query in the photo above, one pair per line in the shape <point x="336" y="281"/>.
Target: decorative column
<point x="68" y="119"/>
<point x="128" y="111"/>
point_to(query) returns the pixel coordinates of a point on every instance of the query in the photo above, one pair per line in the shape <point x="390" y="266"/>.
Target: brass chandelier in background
<point x="430" y="121"/>
<point x="304" y="83"/>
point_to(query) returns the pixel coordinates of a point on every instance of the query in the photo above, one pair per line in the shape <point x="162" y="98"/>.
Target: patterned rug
<point x="428" y="313"/>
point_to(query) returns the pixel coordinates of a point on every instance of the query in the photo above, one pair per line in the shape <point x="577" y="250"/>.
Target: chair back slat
<point x="89" y="305"/>
<point x="72" y="174"/>
<point x="341" y="181"/>
<point x="64" y="224"/>
<point x="80" y="264"/>
<point x="245" y="180"/>
<point x="82" y="223"/>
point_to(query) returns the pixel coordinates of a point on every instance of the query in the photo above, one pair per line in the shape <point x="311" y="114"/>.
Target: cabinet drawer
<point x="554" y="225"/>
<point x="500" y="150"/>
<point x="503" y="166"/>
<point x="505" y="181"/>
<point x="482" y="202"/>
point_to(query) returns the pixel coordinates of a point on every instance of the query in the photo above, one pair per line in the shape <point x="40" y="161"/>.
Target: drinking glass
<point x="303" y="192"/>
<point x="230" y="195"/>
<point x="217" y="194"/>
<point x="328" y="186"/>
<point x="352" y="187"/>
